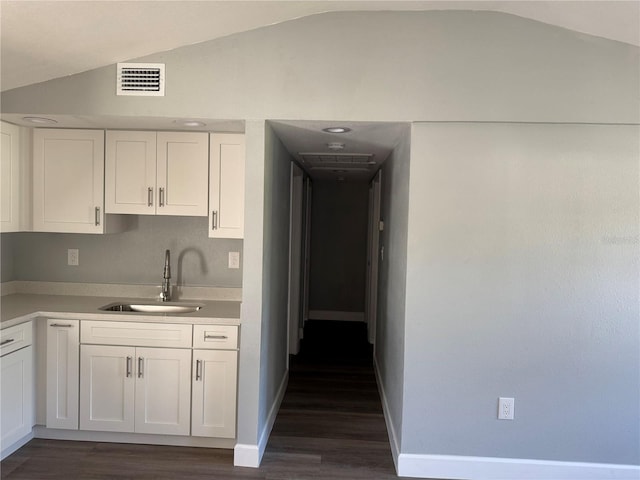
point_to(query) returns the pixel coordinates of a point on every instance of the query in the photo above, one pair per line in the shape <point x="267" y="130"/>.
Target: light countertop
<point x="21" y="307"/>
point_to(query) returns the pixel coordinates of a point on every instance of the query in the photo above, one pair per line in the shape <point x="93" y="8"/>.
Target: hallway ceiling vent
<point x="346" y="162"/>
<point x="140" y="79"/>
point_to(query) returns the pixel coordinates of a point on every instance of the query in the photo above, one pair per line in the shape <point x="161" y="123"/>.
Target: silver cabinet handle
<point x="140" y="363"/>
<point x="150" y="197"/>
<point x="214" y="220"/>
<point x="198" y="370"/>
<point x="215" y="337"/>
<point x="97" y="216"/>
<point x="161" y="197"/>
<point x="8" y="340"/>
<point x="129" y="364"/>
<point x="63" y="325"/>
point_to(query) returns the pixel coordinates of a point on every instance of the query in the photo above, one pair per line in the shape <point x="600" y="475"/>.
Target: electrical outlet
<point x="73" y="257"/>
<point x="234" y="259"/>
<point x="505" y="408"/>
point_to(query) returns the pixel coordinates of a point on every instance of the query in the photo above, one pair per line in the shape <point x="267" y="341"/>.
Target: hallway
<point x="330" y="423"/>
<point x="330" y="427"/>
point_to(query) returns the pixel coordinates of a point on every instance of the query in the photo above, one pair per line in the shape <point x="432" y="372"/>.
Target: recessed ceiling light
<point x="336" y="129"/>
<point x="39" y="120"/>
<point x="191" y="123"/>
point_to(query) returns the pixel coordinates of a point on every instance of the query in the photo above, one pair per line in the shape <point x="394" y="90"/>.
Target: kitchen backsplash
<point x="132" y="257"/>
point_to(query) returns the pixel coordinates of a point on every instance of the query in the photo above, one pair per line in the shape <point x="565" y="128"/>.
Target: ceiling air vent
<point x="140" y="79"/>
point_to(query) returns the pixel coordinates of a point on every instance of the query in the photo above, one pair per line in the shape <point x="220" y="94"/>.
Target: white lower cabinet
<point x="63" y="373"/>
<point x="107" y="389"/>
<point x="135" y="389"/>
<point x="163" y="391"/>
<point x="16" y="386"/>
<point x="129" y="377"/>
<point x="214" y="383"/>
<point x="214" y="393"/>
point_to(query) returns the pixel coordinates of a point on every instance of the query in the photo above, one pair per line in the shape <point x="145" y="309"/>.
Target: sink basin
<point x="151" y="307"/>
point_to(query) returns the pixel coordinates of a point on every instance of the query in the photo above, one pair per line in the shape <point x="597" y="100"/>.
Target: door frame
<point x="373" y="248"/>
<point x="295" y="259"/>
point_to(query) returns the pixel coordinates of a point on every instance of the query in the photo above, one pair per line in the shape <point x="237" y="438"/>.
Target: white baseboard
<point x="391" y="431"/>
<point x="6" y="451"/>
<point x="488" y="468"/>
<point x="336" y="315"/>
<point x="245" y="455"/>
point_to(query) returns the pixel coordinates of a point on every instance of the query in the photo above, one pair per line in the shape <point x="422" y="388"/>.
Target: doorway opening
<point x="335" y="221"/>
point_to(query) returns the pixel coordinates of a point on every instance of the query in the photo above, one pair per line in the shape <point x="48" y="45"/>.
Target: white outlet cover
<point x="505" y="408"/>
<point x="234" y="259"/>
<point x="73" y="257"/>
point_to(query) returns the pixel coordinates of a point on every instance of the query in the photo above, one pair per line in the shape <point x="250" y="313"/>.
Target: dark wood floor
<point x="330" y="426"/>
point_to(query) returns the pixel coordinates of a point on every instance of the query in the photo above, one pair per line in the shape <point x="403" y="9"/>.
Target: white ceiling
<point x="41" y="40"/>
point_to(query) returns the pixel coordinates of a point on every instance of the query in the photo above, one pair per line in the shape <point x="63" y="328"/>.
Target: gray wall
<point x="522" y="281"/>
<point x="388" y="66"/>
<point x="263" y="352"/>
<point x="390" y="329"/>
<point x="132" y="257"/>
<point x="338" y="255"/>
<point x="446" y="66"/>
<point x="7" y="256"/>
<point x="275" y="276"/>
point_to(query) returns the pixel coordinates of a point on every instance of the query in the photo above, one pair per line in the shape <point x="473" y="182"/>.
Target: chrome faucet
<point x="165" y="295"/>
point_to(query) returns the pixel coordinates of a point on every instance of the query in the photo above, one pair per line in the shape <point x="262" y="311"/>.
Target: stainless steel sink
<point x="152" y="307"/>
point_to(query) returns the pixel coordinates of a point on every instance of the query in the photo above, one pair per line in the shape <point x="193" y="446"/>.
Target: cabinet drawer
<point x="223" y="337"/>
<point x="138" y="334"/>
<point x="16" y="337"/>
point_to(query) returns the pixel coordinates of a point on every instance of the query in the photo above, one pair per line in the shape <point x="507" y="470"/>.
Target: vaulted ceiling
<point x="41" y="40"/>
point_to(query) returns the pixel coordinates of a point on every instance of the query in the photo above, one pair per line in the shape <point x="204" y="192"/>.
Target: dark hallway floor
<point x="330" y="427"/>
<point x="331" y="413"/>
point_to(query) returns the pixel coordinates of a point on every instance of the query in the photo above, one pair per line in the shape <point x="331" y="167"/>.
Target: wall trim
<point x="273" y="413"/>
<point x="6" y="451"/>
<point x="336" y="315"/>
<point x="246" y="455"/>
<point x="491" y="468"/>
<point x="391" y="431"/>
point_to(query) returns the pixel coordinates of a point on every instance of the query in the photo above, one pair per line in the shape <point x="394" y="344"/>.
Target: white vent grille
<point x="338" y="162"/>
<point x="140" y="79"/>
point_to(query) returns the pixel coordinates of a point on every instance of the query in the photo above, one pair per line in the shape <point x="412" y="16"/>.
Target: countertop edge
<point x="25" y="307"/>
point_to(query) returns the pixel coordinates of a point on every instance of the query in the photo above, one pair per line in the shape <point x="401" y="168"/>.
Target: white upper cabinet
<point x="163" y="173"/>
<point x="68" y="182"/>
<point x="130" y="172"/>
<point x="226" y="185"/>
<point x="9" y="178"/>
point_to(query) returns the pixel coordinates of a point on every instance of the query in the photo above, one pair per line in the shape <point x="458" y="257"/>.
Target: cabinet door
<point x="214" y="393"/>
<point x="226" y="185"/>
<point x="9" y="178"/>
<point x="163" y="391"/>
<point x="63" y="373"/>
<point x="130" y="172"/>
<point x="68" y="180"/>
<point x="107" y="388"/>
<point x="182" y="167"/>
<point x="16" y="396"/>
